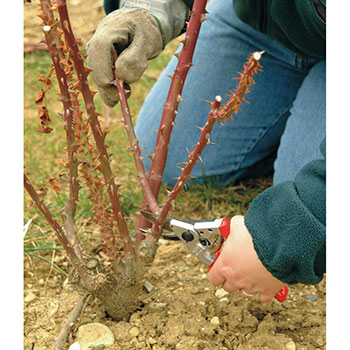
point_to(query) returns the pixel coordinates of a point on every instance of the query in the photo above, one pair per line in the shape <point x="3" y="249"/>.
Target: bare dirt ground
<point x="183" y="311"/>
<point x="85" y="15"/>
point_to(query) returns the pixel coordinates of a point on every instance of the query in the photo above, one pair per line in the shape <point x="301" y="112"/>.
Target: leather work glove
<point x="138" y="34"/>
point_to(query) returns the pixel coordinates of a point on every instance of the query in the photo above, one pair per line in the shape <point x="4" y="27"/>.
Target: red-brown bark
<point x="171" y="106"/>
<point x="82" y="74"/>
<point x="74" y="258"/>
<point x="134" y="145"/>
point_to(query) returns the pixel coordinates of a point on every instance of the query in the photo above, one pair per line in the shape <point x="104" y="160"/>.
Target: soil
<point x="182" y="310"/>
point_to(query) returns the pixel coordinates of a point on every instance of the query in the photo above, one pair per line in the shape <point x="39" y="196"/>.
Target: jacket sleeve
<point x="110" y="6"/>
<point x="298" y="25"/>
<point x="288" y="226"/>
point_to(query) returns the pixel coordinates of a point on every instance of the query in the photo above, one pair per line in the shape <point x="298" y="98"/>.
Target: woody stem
<point x="134" y="145"/>
<point x="76" y="261"/>
<point x="171" y="105"/>
<point x="98" y="135"/>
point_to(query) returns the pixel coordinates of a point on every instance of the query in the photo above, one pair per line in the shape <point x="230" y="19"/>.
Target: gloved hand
<point x="138" y="34"/>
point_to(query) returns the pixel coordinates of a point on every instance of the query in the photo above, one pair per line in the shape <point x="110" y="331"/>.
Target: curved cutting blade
<point x="153" y="218"/>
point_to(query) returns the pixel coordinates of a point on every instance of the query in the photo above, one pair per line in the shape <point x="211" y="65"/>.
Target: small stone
<point x="320" y="342"/>
<point x="311" y="297"/>
<point x="53" y="308"/>
<point x="152" y="341"/>
<point x="179" y="344"/>
<point x="29" y="285"/>
<point x="162" y="241"/>
<point x="41" y="282"/>
<point x="92" y="263"/>
<point x="290" y="345"/>
<point x="224" y="300"/>
<point x="220" y="293"/>
<point x="133" y="343"/>
<point x="194" y="290"/>
<point x="30" y="297"/>
<point x="135" y="319"/>
<point x="75" y="346"/>
<point x="134" y="331"/>
<point x="215" y="320"/>
<point x="157" y="306"/>
<point x="94" y="336"/>
<point x="148" y="286"/>
<point x="52" y="283"/>
<point x="204" y="276"/>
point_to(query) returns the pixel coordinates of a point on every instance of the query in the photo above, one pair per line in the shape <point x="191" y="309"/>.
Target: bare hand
<point x="238" y="266"/>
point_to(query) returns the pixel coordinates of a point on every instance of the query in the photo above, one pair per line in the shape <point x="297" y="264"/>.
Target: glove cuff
<point x="169" y="14"/>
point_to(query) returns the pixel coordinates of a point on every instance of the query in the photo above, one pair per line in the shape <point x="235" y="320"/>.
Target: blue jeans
<point x="280" y="129"/>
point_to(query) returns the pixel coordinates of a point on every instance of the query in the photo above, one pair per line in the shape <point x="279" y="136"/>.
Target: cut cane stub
<point x="218" y="98"/>
<point x="257" y="55"/>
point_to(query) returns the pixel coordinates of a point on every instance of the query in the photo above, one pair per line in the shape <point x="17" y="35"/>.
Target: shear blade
<point x="153" y="218"/>
<point x="170" y="236"/>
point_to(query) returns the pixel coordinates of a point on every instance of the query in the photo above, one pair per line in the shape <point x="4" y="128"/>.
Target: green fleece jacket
<point x="288" y="225"/>
<point x="288" y="221"/>
<point x="298" y="25"/>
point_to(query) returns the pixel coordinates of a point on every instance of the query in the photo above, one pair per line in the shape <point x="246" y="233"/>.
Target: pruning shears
<point x="204" y="238"/>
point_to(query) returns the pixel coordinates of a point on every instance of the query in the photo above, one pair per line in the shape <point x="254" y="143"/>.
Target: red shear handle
<point x="281" y="296"/>
<point x="225" y="227"/>
<point x="217" y="255"/>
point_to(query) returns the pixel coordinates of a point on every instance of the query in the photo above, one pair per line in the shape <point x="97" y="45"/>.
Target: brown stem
<point x="73" y="257"/>
<point x="54" y="43"/>
<point x="70" y="322"/>
<point x="174" y="95"/>
<point x="216" y="113"/>
<point x="82" y="73"/>
<point x="171" y="104"/>
<point x="193" y="158"/>
<point x="134" y="145"/>
<point x="245" y="79"/>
